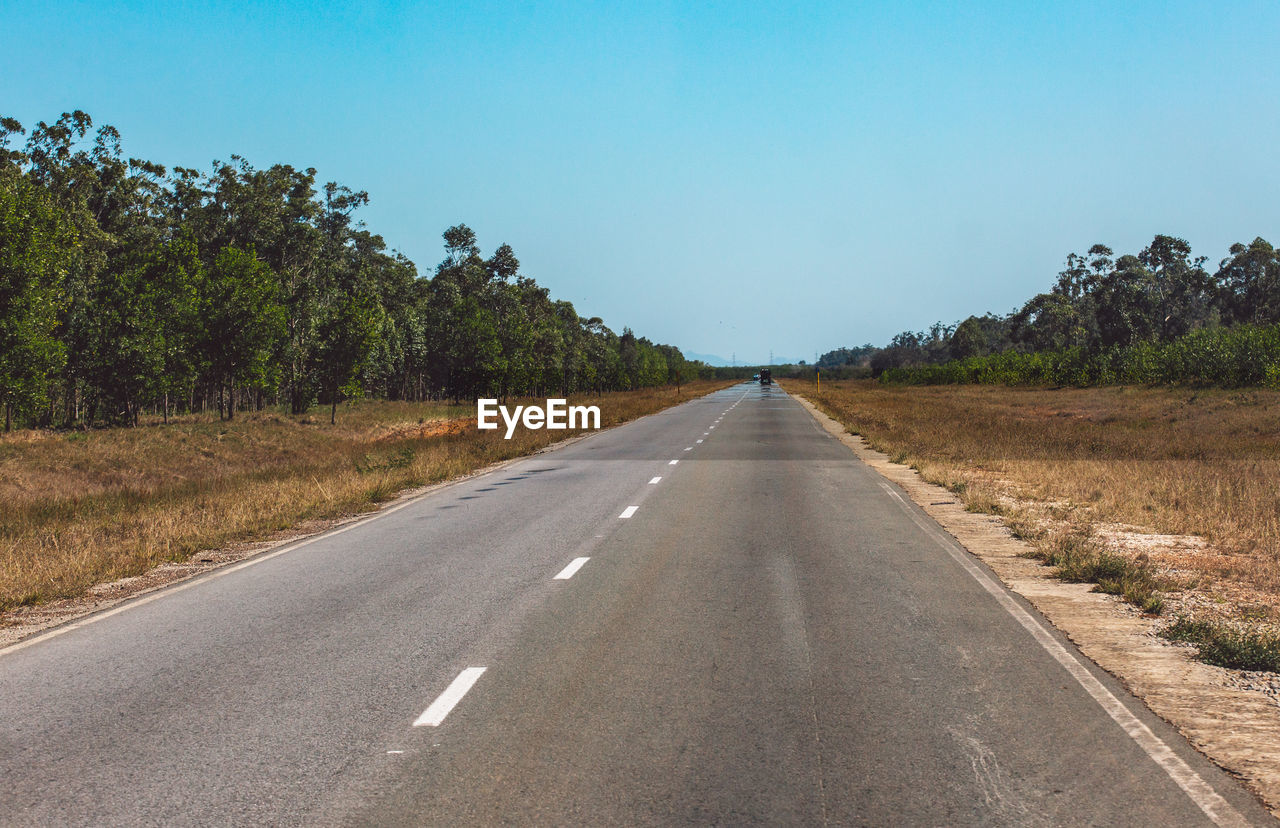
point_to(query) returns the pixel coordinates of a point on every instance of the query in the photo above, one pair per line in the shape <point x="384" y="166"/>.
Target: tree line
<point x="1158" y="316"/>
<point x="127" y="287"/>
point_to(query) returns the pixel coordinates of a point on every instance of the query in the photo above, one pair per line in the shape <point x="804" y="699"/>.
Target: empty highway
<point x="715" y="614"/>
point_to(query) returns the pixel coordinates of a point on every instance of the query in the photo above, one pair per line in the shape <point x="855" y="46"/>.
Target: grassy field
<point x="1155" y="493"/>
<point x="81" y="508"/>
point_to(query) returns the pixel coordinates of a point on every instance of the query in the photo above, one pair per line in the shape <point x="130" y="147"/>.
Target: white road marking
<point x="699" y="441"/>
<point x="394" y="752"/>
<point x="654" y="480"/>
<point x="673" y="462"/>
<point x="628" y="512"/>
<point x="1199" y="791"/>
<point x="690" y="448"/>
<point x="213" y="575"/>
<point x="567" y="572"/>
<point x="444" y="704"/>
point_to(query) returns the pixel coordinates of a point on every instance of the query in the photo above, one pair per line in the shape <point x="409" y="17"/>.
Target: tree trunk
<point x="8" y="418"/>
<point x="231" y="399"/>
<point x="72" y="410"/>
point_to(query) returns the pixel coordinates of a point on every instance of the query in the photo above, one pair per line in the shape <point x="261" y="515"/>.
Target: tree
<point x="348" y="335"/>
<point x="172" y="276"/>
<point x="1183" y="294"/>
<point x="1127" y="304"/>
<point x="629" y="356"/>
<point x="1050" y="322"/>
<point x="969" y="339"/>
<point x="1250" y="283"/>
<point x="33" y="244"/>
<point x="459" y="245"/>
<point x="243" y="320"/>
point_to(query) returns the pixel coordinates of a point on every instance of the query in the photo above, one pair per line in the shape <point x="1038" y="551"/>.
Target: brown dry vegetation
<point x="80" y="508"/>
<point x="1179" y="480"/>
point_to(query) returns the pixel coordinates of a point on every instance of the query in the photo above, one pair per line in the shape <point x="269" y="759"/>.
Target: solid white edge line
<point x="1199" y="791"/>
<point x="446" y="701"/>
<point x="628" y="512"/>
<point x="164" y="592"/>
<point x="654" y="480"/>
<point x="567" y="573"/>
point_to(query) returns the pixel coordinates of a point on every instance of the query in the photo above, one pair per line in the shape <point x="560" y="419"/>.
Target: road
<point x="762" y="631"/>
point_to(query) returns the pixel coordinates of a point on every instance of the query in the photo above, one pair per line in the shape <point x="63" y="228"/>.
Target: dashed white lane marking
<point x="628" y="512"/>
<point x="654" y="480"/>
<point x="1199" y="791"/>
<point x="444" y="704"/>
<point x="690" y="448"/>
<point x="673" y="462"/>
<point x="567" y="572"/>
<point x="394" y="752"/>
<point x="699" y="441"/>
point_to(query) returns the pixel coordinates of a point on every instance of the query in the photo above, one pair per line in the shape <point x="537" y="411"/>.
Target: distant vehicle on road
<point x="755" y="377"/>
<point x="766" y="376"/>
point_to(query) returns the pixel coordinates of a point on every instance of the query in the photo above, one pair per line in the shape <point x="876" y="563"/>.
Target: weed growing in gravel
<point x="1228" y="646"/>
<point x="1078" y="558"/>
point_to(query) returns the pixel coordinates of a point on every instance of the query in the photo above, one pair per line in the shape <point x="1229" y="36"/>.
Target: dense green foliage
<point x="1158" y="317"/>
<point x="126" y="287"/>
<point x="1244" y="355"/>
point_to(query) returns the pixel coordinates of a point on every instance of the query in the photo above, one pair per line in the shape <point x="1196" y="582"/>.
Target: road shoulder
<point x="1237" y="729"/>
<point x="22" y="625"/>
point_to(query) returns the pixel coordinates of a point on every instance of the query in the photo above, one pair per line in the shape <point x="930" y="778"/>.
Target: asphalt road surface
<point x="715" y="614"/>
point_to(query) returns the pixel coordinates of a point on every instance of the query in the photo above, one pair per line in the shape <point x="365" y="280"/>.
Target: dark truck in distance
<point x="766" y="376"/>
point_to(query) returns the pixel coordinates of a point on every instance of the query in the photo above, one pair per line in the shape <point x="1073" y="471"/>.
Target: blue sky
<point x="731" y="178"/>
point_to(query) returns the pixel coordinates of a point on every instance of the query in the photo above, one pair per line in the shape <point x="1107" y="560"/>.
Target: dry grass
<point x="1181" y="481"/>
<point x="80" y="508"/>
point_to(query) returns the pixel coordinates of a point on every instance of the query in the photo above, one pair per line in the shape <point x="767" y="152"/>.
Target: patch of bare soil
<point x="439" y="427"/>
<point x="1231" y="716"/>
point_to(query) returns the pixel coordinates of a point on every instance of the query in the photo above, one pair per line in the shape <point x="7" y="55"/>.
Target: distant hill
<point x="712" y="359"/>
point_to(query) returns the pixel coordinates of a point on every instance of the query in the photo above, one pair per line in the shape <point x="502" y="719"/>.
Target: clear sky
<point x="731" y="178"/>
